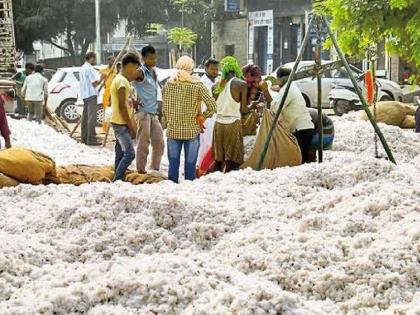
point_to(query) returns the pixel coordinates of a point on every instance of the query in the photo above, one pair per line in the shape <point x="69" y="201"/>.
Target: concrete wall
<point x="231" y="32"/>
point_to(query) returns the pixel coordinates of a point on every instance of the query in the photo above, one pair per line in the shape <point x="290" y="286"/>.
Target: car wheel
<point x="100" y="115"/>
<point x="386" y="98"/>
<point x="68" y="111"/>
<point x="342" y="107"/>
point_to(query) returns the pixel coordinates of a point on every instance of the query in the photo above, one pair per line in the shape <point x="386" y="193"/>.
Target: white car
<point x="164" y="74"/>
<point x="308" y="86"/>
<point x="63" y="90"/>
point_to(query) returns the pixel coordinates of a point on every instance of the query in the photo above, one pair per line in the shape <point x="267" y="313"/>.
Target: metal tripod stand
<point x="317" y="21"/>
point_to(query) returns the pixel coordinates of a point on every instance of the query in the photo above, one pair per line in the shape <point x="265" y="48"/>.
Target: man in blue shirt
<point x="149" y="129"/>
<point x="89" y="80"/>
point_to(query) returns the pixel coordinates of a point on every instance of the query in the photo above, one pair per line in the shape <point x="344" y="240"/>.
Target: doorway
<point x="261" y="43"/>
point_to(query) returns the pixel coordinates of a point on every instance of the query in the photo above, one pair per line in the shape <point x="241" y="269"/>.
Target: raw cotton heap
<point x="340" y="237"/>
<point x="60" y="147"/>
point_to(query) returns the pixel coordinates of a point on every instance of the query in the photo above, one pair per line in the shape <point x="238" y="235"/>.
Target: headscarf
<point x="184" y="67"/>
<point x="228" y="65"/>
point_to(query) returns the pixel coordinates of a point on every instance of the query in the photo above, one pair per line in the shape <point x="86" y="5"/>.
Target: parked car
<point x="163" y="75"/>
<point x="308" y="86"/>
<point x="63" y="91"/>
<point x="49" y="73"/>
<point x="343" y="98"/>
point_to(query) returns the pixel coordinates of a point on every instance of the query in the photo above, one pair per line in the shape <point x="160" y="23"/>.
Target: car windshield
<point x="58" y="77"/>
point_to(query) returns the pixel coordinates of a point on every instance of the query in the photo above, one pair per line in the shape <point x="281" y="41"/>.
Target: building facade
<point x="269" y="33"/>
<point x="271" y="30"/>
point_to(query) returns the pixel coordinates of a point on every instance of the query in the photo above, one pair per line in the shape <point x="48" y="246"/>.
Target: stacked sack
<point x="394" y="114"/>
<point x="19" y="165"/>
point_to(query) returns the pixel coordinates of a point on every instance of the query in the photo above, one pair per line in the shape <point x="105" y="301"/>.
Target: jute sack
<point x="6" y="181"/>
<point x="82" y="174"/>
<point x="250" y="123"/>
<point x="409" y="122"/>
<point x="139" y="179"/>
<point x="392" y="113"/>
<point x="27" y="166"/>
<point x="283" y="149"/>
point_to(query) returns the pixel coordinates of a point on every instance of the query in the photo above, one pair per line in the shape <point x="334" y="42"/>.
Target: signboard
<point x="232" y="5"/>
<point x="259" y="19"/>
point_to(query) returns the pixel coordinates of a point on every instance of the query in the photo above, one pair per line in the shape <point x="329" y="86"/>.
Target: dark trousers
<point x="304" y="138"/>
<point x="418" y="119"/>
<point x="21" y="108"/>
<point x="89" y="120"/>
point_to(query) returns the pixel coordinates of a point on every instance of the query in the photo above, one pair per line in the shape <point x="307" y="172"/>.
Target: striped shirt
<point x="181" y="105"/>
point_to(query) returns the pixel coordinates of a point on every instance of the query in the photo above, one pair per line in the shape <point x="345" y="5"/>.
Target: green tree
<point x="32" y="21"/>
<point x="142" y="14"/>
<point x="49" y="20"/>
<point x="198" y="15"/>
<point x="183" y="37"/>
<point x="363" y="23"/>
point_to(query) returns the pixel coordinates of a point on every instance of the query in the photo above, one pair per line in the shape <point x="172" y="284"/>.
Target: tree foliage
<point x="184" y="37"/>
<point x="141" y="14"/>
<point x="49" y="20"/>
<point x="363" y="23"/>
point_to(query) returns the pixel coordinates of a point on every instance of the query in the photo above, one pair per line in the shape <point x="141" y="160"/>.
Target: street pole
<point x="318" y="50"/>
<point x="98" y="31"/>
<point x="212" y="32"/>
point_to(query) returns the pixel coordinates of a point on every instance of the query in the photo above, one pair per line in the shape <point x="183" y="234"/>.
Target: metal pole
<point x="318" y="77"/>
<point x="98" y="31"/>
<point x="360" y="94"/>
<point x="212" y="31"/>
<point x="283" y="100"/>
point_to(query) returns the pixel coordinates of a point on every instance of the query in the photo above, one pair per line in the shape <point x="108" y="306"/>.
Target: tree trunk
<point x="85" y="47"/>
<point x="71" y="46"/>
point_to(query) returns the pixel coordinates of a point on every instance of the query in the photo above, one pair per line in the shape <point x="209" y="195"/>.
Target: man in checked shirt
<point x="182" y="99"/>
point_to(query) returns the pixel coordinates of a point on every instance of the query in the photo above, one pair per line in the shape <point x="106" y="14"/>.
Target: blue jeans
<point x="124" y="151"/>
<point x="191" y="148"/>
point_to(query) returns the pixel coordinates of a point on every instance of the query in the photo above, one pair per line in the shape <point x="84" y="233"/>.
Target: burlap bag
<point x="83" y="174"/>
<point x="27" y="166"/>
<point x="138" y="179"/>
<point x="282" y="151"/>
<point x="6" y="181"/>
<point x="250" y="124"/>
<point x="392" y="113"/>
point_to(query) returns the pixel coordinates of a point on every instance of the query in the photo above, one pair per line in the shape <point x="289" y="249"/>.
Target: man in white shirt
<point x="209" y="80"/>
<point x="35" y="92"/>
<point x="295" y="115"/>
<point x="89" y="80"/>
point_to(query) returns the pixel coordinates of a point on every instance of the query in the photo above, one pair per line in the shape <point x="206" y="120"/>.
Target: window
<point x="229" y="50"/>
<point x="58" y="76"/>
<point x="339" y="74"/>
<point x="77" y="75"/>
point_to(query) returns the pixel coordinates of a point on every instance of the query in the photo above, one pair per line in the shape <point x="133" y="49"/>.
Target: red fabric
<point x="369" y="86"/>
<point x="206" y="164"/>
<point x="4" y="127"/>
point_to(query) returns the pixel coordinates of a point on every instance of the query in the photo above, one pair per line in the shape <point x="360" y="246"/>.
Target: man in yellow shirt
<point x="124" y="129"/>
